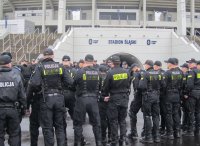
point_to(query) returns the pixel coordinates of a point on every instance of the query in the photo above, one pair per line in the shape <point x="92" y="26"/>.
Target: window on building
<point x="33" y="14"/>
<point x="131" y="16"/>
<point x="150" y="17"/>
<point x="117" y="16"/>
<point x="23" y="15"/>
<point x="169" y="18"/>
<point x="84" y="16"/>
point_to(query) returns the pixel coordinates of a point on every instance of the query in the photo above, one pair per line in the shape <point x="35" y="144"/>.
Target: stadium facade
<point x="134" y="29"/>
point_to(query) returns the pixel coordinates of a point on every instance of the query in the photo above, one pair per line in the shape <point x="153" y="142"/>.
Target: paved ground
<point x="184" y="141"/>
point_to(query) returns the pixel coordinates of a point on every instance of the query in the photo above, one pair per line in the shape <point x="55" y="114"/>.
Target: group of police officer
<point x="103" y="93"/>
<point x="162" y="93"/>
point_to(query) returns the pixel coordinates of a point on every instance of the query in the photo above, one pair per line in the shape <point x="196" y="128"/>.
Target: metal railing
<point x="197" y="35"/>
<point x="17" y="51"/>
<point x="6" y="42"/>
<point x="38" y="37"/>
<point x="21" y="58"/>
<point x="55" y="34"/>
<point x="50" y="37"/>
<point x="17" y="43"/>
<point x="39" y="45"/>
<point x="29" y="45"/>
<point x="16" y="37"/>
<point x="30" y="52"/>
<point x="37" y="31"/>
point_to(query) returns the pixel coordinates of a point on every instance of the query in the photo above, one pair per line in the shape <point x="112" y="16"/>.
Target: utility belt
<point x="172" y="89"/>
<point x="53" y="91"/>
<point x="88" y="95"/>
<point x="153" y="90"/>
<point x="7" y="105"/>
<point x="15" y="105"/>
<point x="112" y="94"/>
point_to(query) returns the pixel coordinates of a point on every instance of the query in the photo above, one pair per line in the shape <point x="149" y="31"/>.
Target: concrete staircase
<point x="26" y="46"/>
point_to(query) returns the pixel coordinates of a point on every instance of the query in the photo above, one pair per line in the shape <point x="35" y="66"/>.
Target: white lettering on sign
<point x="6" y="84"/>
<point x="120" y="42"/>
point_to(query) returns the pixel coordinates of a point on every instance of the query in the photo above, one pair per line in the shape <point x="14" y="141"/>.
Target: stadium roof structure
<point x="152" y="5"/>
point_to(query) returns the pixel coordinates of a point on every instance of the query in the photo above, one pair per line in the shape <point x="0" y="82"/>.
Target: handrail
<point x="35" y="31"/>
<point x="8" y="48"/>
<point x="47" y="31"/>
<point x="29" y="53"/>
<point x="27" y="46"/>
<point x="19" y="41"/>
<point x="55" y="33"/>
<point x="197" y="32"/>
<point x="4" y="44"/>
<point x="20" y="59"/>
<point x="22" y="47"/>
<point x="48" y="38"/>
<point x="43" y="41"/>
<point x="36" y="40"/>
<point x="14" y="37"/>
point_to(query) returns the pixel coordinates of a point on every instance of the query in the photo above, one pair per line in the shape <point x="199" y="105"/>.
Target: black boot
<point x="168" y="136"/>
<point x="196" y="132"/>
<point x="133" y="133"/>
<point x="78" y="144"/>
<point x="177" y="134"/>
<point x="157" y="137"/>
<point x="147" y="139"/>
<point x="98" y="143"/>
<point x="104" y="142"/>
<point x="122" y="142"/>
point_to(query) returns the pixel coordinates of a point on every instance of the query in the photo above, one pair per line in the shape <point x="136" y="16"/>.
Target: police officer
<point x="68" y="91"/>
<point x="87" y="85"/>
<point x="150" y="84"/>
<point x="198" y="65"/>
<point x="193" y="85"/>
<point x="136" y="104"/>
<point x="33" y="99"/>
<point x="26" y="72"/>
<point x="173" y="83"/>
<point x="125" y="65"/>
<point x="50" y="76"/>
<point x="186" y="106"/>
<point x="16" y="69"/>
<point x="69" y="94"/>
<point x="12" y="96"/>
<point x="116" y="91"/>
<point x="105" y="125"/>
<point x="158" y="67"/>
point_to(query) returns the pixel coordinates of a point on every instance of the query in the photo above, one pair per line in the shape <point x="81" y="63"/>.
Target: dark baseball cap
<point x="185" y="65"/>
<point x="5" y="59"/>
<point x="48" y="51"/>
<point x="103" y="68"/>
<point x="134" y="65"/>
<point x="115" y="59"/>
<point x="7" y="53"/>
<point x="192" y="60"/>
<point x="89" y="58"/>
<point x="149" y="62"/>
<point x="66" y="58"/>
<point x="158" y="63"/>
<point x="173" y="61"/>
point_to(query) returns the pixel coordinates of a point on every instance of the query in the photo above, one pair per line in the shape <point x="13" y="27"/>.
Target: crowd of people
<point x="169" y="99"/>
